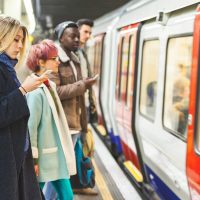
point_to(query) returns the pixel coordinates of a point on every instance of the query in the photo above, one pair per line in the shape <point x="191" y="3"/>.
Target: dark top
<point x="16" y="165"/>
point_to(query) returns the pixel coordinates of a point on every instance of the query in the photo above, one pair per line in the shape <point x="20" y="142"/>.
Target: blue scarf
<point x="10" y="64"/>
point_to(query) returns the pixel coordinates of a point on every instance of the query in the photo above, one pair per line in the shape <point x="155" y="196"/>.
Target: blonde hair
<point x="8" y="31"/>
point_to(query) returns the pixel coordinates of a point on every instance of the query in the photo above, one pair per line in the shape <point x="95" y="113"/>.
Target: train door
<point x="95" y="55"/>
<point x="124" y="98"/>
<point x="193" y="148"/>
<point x="162" y="104"/>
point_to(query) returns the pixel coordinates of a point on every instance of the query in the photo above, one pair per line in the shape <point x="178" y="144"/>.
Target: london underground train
<point x="148" y="56"/>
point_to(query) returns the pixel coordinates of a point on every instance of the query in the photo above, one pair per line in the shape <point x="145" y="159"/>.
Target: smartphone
<point x="49" y="71"/>
<point x="96" y="77"/>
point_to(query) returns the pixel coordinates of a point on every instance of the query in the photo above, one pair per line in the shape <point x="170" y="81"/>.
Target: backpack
<point x="85" y="176"/>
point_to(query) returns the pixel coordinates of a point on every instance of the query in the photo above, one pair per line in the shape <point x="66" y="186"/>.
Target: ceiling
<point x="51" y="12"/>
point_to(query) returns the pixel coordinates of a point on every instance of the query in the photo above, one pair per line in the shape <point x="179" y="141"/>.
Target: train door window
<point x="130" y="76"/>
<point x="98" y="50"/>
<point x="177" y="85"/>
<point x="91" y="56"/>
<point x="124" y="68"/>
<point x="149" y="78"/>
<point x="119" y="65"/>
<point x="97" y="53"/>
<point x="95" y="57"/>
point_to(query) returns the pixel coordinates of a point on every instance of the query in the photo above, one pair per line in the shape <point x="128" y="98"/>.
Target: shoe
<point x="85" y="191"/>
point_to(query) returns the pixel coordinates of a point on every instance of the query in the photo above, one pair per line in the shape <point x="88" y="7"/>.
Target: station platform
<point x="111" y="182"/>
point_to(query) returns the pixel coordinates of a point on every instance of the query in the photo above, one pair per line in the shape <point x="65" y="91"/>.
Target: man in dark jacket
<point x="85" y="29"/>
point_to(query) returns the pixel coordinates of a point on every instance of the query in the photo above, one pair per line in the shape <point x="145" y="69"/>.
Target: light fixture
<point x="30" y="14"/>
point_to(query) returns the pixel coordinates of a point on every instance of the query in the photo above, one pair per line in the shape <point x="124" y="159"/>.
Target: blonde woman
<point x="51" y="141"/>
<point x="17" y="177"/>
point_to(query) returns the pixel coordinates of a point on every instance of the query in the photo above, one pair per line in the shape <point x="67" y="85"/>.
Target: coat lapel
<point x="62" y="127"/>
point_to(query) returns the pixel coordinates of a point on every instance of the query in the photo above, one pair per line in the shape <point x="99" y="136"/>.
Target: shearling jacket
<point x="71" y="89"/>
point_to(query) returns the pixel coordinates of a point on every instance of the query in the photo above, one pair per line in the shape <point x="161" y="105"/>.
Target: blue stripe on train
<point x="163" y="191"/>
<point x="115" y="139"/>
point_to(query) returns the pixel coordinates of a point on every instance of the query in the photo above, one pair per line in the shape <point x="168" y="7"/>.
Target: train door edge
<point x="193" y="142"/>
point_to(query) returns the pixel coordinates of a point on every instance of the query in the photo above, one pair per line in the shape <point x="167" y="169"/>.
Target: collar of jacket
<point x="64" y="57"/>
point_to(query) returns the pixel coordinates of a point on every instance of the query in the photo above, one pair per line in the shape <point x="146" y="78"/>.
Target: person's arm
<point x="13" y="106"/>
<point x="34" y="100"/>
<point x="70" y="90"/>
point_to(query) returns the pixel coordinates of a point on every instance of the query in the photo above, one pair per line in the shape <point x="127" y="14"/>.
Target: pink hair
<point x="45" y="50"/>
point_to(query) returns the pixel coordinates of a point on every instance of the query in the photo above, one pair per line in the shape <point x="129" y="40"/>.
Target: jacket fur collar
<point x="64" y="57"/>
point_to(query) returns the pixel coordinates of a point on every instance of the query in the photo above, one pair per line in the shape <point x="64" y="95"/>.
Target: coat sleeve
<point x="35" y="106"/>
<point x="70" y="90"/>
<point x="13" y="106"/>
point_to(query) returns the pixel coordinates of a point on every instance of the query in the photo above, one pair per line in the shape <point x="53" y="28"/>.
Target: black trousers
<point x="28" y="187"/>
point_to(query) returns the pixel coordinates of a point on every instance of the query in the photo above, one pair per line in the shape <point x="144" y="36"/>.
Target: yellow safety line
<point x="102" y="130"/>
<point x="101" y="184"/>
<point x="134" y="171"/>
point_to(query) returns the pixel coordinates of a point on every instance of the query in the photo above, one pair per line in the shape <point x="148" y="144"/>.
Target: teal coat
<point x="50" y="137"/>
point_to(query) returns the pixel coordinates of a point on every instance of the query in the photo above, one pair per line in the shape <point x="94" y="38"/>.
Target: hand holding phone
<point x="90" y="81"/>
<point x="96" y="77"/>
<point x="47" y="72"/>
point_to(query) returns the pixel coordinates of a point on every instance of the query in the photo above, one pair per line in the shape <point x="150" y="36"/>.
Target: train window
<point x="119" y="61"/>
<point x="97" y="58"/>
<point x="130" y="76"/>
<point x="149" y="78"/>
<point x="124" y="68"/>
<point x="91" y="56"/>
<point x="98" y="49"/>
<point x="177" y="84"/>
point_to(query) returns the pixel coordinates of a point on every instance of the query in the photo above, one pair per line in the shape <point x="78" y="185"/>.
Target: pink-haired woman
<point x="51" y="141"/>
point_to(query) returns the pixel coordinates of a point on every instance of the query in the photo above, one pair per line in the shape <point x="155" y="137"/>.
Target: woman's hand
<point x="36" y="169"/>
<point x="32" y="82"/>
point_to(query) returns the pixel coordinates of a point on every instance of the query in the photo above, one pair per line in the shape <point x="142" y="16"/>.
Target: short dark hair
<point x="88" y="22"/>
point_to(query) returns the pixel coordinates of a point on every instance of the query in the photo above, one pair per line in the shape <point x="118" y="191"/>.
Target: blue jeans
<point x="63" y="189"/>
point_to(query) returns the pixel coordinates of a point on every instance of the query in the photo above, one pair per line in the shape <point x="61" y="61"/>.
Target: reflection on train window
<point x="149" y="78"/>
<point x="130" y="75"/>
<point x="97" y="58"/>
<point x="119" y="68"/>
<point x="124" y="68"/>
<point x="94" y="52"/>
<point x="91" y="54"/>
<point x="98" y="48"/>
<point x="177" y="85"/>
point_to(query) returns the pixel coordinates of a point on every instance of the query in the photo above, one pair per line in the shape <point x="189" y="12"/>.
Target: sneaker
<point x="85" y="191"/>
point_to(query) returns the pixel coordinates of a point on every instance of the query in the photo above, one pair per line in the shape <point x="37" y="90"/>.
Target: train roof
<point x="136" y="11"/>
<point x="147" y="9"/>
<point x="108" y="20"/>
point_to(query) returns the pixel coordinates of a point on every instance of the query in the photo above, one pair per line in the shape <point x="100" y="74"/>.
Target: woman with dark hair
<point x="51" y="141"/>
<point x="17" y="178"/>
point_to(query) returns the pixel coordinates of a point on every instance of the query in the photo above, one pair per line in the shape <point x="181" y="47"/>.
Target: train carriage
<point x="149" y="96"/>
